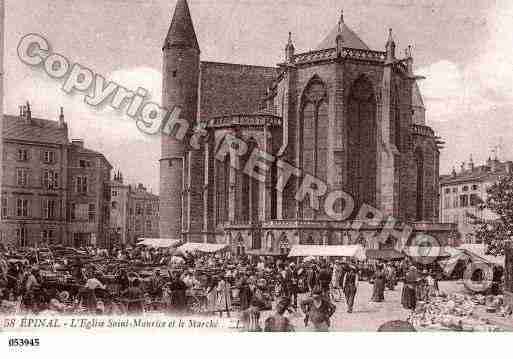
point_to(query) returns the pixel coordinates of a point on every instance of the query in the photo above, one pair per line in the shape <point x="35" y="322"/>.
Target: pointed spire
<point x="289" y="50"/>
<point x="390" y="46"/>
<point x="409" y="60"/>
<point x="340" y="37"/>
<point x="181" y="31"/>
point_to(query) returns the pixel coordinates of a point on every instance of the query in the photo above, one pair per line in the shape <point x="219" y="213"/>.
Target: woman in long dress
<point x="224" y="297"/>
<point x="409" y="295"/>
<point x="378" y="293"/>
<point x="337" y="279"/>
<point x="350" y="285"/>
<point x="212" y="294"/>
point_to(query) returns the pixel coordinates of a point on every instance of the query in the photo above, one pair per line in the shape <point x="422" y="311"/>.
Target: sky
<point x="462" y="47"/>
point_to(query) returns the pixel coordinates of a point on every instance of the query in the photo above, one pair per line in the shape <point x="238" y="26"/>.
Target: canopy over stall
<point x="264" y="253"/>
<point x="465" y="254"/>
<point x="384" y="254"/>
<point x="355" y="251"/>
<point x="478" y="252"/>
<point x="427" y="252"/>
<point x="158" y="242"/>
<point x="203" y="247"/>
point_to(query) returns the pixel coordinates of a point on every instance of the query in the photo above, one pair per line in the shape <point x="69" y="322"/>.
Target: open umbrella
<point x="309" y="259"/>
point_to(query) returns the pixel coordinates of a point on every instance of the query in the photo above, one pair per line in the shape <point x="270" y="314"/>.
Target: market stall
<point x="353" y="251"/>
<point x="384" y="254"/>
<point x="457" y="312"/>
<point x="203" y="247"/>
<point x="159" y="242"/>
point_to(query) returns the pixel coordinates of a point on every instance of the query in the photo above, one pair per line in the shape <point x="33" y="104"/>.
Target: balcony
<point x="421" y="130"/>
<point x="245" y="120"/>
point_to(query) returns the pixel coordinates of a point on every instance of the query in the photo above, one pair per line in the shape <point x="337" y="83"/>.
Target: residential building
<point x="462" y="192"/>
<point x="134" y="212"/>
<point x="45" y="189"/>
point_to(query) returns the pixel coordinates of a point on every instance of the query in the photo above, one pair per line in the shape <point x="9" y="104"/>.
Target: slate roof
<point x="38" y="130"/>
<point x="350" y="39"/>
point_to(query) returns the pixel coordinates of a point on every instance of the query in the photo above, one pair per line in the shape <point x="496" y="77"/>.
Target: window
<point x="23" y="155"/>
<point x="455" y="190"/>
<point x="138" y="209"/>
<point x="21" y="236"/>
<point x="79" y="212"/>
<point x="148" y="226"/>
<point x="4" y="207"/>
<point x="131" y="211"/>
<point x="85" y="163"/>
<point x="137" y="225"/>
<point x="22" y="176"/>
<point x="81" y="184"/>
<point x="22" y="207"/>
<point x="49" y="207"/>
<point x="48" y="156"/>
<point x="47" y="235"/>
<point x="475" y="187"/>
<point x="465" y="188"/>
<point x="474" y="200"/>
<point x="114" y="193"/>
<point x="464" y="200"/>
<point x="149" y="209"/>
<point x="92" y="212"/>
<point x="50" y="179"/>
<point x="447" y="190"/>
<point x="72" y="210"/>
<point x="455" y="202"/>
<point x="447" y="202"/>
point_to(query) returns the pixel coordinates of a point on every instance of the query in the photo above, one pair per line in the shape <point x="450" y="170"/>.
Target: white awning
<point x="158" y="242"/>
<point x="202" y="247"/>
<point x="355" y="251"/>
<point x="479" y="250"/>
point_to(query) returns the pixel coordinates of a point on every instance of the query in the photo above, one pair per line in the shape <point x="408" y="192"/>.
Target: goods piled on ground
<point x="456" y="312"/>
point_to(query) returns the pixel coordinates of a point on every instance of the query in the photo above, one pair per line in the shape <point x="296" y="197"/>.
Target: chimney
<point x="471" y="163"/>
<point x="453" y="173"/>
<point x="26" y="113"/>
<point x="78" y="143"/>
<point x="462" y="166"/>
<point x="61" y="118"/>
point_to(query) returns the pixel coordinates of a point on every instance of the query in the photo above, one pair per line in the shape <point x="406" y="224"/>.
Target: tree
<point x="494" y="233"/>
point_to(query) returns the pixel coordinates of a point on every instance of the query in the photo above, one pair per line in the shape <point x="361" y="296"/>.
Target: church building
<point x="348" y="115"/>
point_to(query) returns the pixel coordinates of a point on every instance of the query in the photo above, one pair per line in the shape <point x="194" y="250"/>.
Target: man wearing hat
<point x="278" y="322"/>
<point x="318" y="311"/>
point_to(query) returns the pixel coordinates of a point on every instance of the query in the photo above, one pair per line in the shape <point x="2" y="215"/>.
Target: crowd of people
<point x="215" y="284"/>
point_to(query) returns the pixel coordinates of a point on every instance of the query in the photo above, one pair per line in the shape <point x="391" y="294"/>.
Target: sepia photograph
<point x="244" y="166"/>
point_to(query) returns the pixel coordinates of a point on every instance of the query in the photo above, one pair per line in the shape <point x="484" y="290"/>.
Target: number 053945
<point x="23" y="342"/>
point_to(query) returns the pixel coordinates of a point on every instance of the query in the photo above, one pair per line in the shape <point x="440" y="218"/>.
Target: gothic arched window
<point x="419" y="163"/>
<point x="362" y="143"/>
<point x="250" y="189"/>
<point x="396" y="120"/>
<point x="314" y="134"/>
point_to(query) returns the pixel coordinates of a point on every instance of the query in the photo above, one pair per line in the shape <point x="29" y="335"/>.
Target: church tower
<point x="181" y="58"/>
